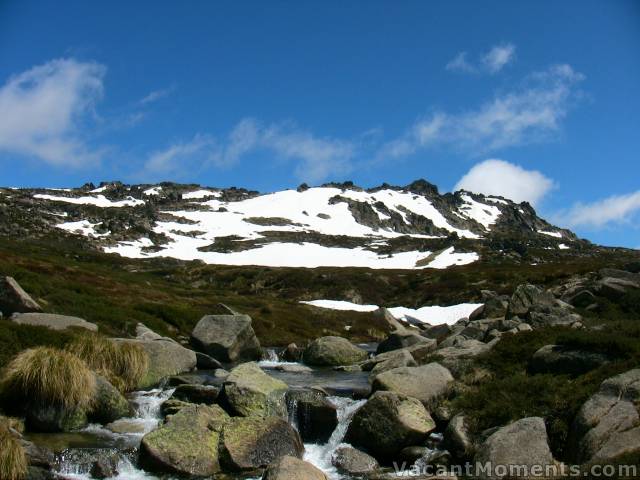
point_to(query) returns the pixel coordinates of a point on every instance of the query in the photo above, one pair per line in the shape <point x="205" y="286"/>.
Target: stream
<point x="77" y="451"/>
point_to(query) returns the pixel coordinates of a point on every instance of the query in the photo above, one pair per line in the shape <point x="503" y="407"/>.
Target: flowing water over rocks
<point x="110" y="451"/>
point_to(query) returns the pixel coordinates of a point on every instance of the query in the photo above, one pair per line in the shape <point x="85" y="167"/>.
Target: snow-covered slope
<point x="333" y="225"/>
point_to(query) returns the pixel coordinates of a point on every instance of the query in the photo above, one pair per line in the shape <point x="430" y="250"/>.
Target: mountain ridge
<point x="335" y="224"/>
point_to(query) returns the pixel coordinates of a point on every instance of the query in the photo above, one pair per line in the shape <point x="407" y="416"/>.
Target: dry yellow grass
<point x="123" y="364"/>
<point x="13" y="460"/>
<point x="50" y="376"/>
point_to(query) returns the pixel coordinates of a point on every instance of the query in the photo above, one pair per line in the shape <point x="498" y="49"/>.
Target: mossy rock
<point x="109" y="404"/>
<point x="187" y="444"/>
<point x="249" y="391"/>
<point x="250" y="443"/>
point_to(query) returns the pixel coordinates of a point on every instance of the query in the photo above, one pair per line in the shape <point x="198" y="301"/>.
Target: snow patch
<point x="152" y="191"/>
<point x="200" y="194"/>
<point x="82" y="227"/>
<point x="98" y="201"/>
<point x="485" y="215"/>
<point x="551" y="234"/>
<point x="449" y="258"/>
<point x="341" y="305"/>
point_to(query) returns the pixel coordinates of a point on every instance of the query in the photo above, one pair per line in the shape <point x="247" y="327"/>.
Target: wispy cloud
<point x="498" y="177"/>
<point x="616" y="209"/>
<point x="314" y="158"/>
<point x="530" y="113"/>
<point x="499" y="56"/>
<point x="156" y="95"/>
<point x="43" y="110"/>
<point x="491" y="62"/>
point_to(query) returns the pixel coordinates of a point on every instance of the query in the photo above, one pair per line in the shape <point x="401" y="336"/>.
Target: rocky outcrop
<point x="559" y="359"/>
<point x="426" y="383"/>
<point x="52" y="321"/>
<point x="187" y="444"/>
<point x="14" y="299"/>
<point x="607" y="427"/>
<point x="352" y="461"/>
<point x="227" y="338"/>
<point x="520" y="444"/>
<point x="315" y="417"/>
<point x="388" y="361"/>
<point x="387" y="423"/>
<point x="540" y="308"/>
<point x="251" y="443"/>
<point x="292" y="468"/>
<point x="249" y="391"/>
<point x="166" y="356"/>
<point x="333" y="351"/>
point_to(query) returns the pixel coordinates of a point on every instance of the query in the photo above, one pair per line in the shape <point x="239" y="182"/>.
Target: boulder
<point x="459" y="354"/>
<point x="559" y="359"/>
<point x="315" y="417"/>
<point x="205" y="362"/>
<point x="204" y="394"/>
<point x="227" y="338"/>
<point x="292" y="468"/>
<point x="166" y="356"/>
<point x="389" y="360"/>
<point x="398" y="340"/>
<point x="14" y="299"/>
<point x="52" y="418"/>
<point x="494" y="305"/>
<point x="392" y="322"/>
<point x="352" y="461"/>
<point x="607" y="427"/>
<point x="457" y="438"/>
<point x="551" y="316"/>
<point x="52" y="321"/>
<point x="292" y="353"/>
<point x="387" y="423"/>
<point x="187" y="444"/>
<point x="248" y="391"/>
<point x="333" y="351"/>
<point x="437" y="332"/>
<point x="521" y="443"/>
<point x="251" y="443"/>
<point x="109" y="404"/>
<point x="524" y="297"/>
<point x="427" y="383"/>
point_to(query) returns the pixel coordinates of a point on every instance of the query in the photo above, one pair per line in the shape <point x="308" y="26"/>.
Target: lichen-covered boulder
<point x="387" y="423"/>
<point x="607" y="427"/>
<point x="316" y="417"/>
<point x="520" y="444"/>
<point x="251" y="443"/>
<point x="427" y="383"/>
<point x="333" y="351"/>
<point x="249" y="391"/>
<point x="227" y="338"/>
<point x="403" y="339"/>
<point x="291" y="468"/>
<point x="187" y="443"/>
<point x="109" y="404"/>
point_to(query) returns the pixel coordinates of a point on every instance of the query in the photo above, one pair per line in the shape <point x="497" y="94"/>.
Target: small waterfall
<point x="320" y="455"/>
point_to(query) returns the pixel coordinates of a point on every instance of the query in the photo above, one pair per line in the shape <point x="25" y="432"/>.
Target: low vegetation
<point x="13" y="460"/>
<point x="49" y="376"/>
<point x="123" y="364"/>
<point x="510" y="392"/>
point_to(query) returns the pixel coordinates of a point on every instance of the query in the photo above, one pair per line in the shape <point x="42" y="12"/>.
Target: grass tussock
<point x="123" y="364"/>
<point x="13" y="460"/>
<point x="49" y="376"/>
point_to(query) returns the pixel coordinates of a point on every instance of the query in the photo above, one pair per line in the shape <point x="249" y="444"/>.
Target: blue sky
<point x="536" y="100"/>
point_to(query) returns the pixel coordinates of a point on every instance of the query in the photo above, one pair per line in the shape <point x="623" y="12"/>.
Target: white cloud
<point x="499" y="56"/>
<point x="179" y="157"/>
<point x="611" y="210"/>
<point x="42" y="111"/>
<point x="497" y="177"/>
<point x="459" y="63"/>
<point x="315" y="159"/>
<point x="155" y="95"/>
<point x="491" y="62"/>
<point x="528" y="114"/>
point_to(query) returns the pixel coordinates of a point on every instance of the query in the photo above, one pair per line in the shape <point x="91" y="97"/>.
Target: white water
<point x="321" y="455"/>
<point x="146" y="418"/>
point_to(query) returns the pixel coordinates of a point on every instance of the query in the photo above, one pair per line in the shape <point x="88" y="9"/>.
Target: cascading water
<point x="76" y="463"/>
<point x="320" y="455"/>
